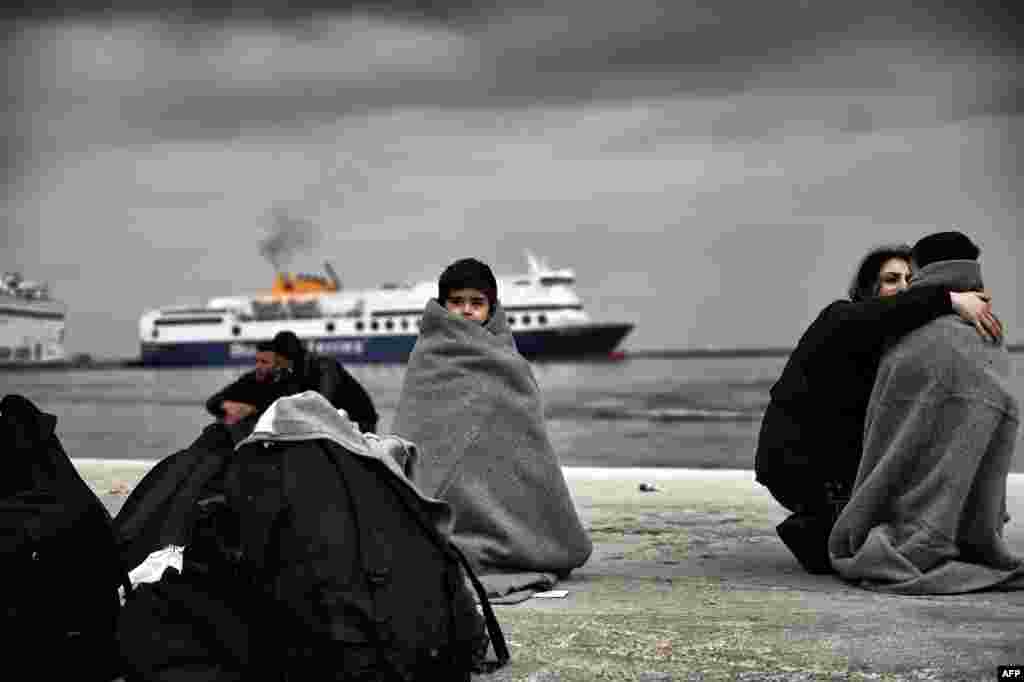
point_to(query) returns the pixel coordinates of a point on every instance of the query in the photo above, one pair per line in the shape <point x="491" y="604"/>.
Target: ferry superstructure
<point x="371" y="325"/>
<point x="31" y="323"/>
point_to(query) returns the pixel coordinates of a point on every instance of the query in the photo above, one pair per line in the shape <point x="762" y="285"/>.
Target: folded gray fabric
<point x="472" y="406"/>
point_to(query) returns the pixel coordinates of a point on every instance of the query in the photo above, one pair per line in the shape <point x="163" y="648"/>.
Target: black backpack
<point x="314" y="564"/>
<point x="61" y="572"/>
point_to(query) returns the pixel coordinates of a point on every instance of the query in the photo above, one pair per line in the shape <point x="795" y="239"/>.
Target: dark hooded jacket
<point x="326" y="376"/>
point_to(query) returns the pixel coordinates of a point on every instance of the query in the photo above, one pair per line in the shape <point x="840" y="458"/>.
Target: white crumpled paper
<point x="150" y="570"/>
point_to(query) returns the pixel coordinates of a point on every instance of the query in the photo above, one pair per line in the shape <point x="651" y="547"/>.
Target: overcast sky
<point x="711" y="171"/>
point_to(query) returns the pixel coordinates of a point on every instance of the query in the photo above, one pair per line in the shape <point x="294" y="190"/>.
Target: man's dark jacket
<point x="326" y="376"/>
<point x="812" y="432"/>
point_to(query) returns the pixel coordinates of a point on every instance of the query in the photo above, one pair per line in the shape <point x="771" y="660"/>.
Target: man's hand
<point x="235" y="412"/>
<point x="975" y="307"/>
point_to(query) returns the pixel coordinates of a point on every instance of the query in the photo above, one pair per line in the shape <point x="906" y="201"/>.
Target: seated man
<point x="927" y="511"/>
<point x="251" y="393"/>
<point x="309" y="371"/>
<point x="471" y="405"/>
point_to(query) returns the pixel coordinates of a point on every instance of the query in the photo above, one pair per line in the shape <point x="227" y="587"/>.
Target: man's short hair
<point x="944" y="246"/>
<point x="287" y="344"/>
<point x="265" y="347"/>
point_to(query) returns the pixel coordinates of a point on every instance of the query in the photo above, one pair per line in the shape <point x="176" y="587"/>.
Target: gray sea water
<point x="647" y="412"/>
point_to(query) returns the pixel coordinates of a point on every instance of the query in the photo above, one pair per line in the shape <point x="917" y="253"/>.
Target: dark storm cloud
<point x="192" y="80"/>
<point x="150" y="71"/>
<point x="556" y="51"/>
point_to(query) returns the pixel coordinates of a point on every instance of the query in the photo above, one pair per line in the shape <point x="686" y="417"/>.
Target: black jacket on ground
<point x="326" y="376"/>
<point x="813" y="430"/>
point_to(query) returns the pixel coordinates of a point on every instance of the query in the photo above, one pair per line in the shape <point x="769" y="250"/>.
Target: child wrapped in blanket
<point x="473" y="408"/>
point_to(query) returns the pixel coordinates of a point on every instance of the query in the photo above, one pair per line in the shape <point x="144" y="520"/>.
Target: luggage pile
<point x="302" y="561"/>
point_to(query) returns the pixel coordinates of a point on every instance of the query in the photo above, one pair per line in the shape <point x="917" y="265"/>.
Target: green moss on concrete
<point x="692" y="628"/>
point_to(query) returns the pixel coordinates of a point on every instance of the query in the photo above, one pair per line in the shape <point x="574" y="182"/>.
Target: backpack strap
<point x="493" y="629"/>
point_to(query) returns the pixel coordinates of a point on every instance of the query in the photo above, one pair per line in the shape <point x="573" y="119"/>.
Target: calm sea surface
<point x="685" y="412"/>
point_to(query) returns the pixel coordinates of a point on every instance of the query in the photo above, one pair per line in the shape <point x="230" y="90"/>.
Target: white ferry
<point x="31" y="323"/>
<point x="374" y="325"/>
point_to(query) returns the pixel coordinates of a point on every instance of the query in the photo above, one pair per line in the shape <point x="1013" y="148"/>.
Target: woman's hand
<point x="975" y="307"/>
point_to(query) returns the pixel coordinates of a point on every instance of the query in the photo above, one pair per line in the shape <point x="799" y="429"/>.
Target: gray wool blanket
<point x="927" y="511"/>
<point x="472" y="406"/>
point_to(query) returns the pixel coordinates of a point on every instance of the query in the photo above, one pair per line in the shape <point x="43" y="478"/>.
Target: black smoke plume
<point x="289" y="236"/>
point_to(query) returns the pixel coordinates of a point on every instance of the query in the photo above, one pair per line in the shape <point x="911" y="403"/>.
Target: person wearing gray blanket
<point x="473" y="408"/>
<point x="929" y="502"/>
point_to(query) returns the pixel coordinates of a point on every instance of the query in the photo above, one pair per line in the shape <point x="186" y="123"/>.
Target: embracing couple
<point x="891" y="430"/>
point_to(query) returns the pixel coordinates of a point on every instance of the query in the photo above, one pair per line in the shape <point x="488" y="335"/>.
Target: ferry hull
<point x="564" y="343"/>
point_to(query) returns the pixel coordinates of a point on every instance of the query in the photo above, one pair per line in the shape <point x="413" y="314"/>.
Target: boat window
<point x="192" y="311"/>
<point x="395" y="313"/>
<point x="330" y="327"/>
<point x="526" y="319"/>
<point x="542" y="319"/>
<point x="552" y="281"/>
<point x="269" y="310"/>
<point x="417" y="323"/>
<point x="155" y="333"/>
<point x="5" y="352"/>
<point x="522" y="282"/>
<point x="360" y="326"/>
<point x="511" y="320"/>
<point x="375" y="325"/>
<point x="236" y="330"/>
<point x="405" y="323"/>
<point x="23" y="353"/>
<point x="176" y="321"/>
<point x="305" y="310"/>
<point x="551" y="308"/>
<point x="389" y="325"/>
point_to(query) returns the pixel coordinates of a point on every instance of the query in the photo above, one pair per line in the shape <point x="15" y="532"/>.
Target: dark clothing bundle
<point x="326" y="376"/>
<point x="60" y="570"/>
<point x="811" y="437"/>
<point x="928" y="506"/>
<point x="160" y="509"/>
<point x="313" y="557"/>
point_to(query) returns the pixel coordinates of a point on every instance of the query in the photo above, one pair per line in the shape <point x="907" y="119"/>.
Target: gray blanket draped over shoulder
<point x="927" y="511"/>
<point x="472" y="406"/>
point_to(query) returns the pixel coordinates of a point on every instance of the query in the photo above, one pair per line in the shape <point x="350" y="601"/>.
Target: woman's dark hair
<point x="865" y="282"/>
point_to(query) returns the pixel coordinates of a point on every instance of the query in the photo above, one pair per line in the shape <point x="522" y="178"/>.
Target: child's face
<point x="471" y="304"/>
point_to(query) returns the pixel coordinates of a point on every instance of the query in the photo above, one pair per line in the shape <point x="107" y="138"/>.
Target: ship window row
<point x="177" y="321"/>
<point x="526" y="319"/>
<point x="389" y="324"/>
<point x="310" y="310"/>
<point x="193" y="311"/>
